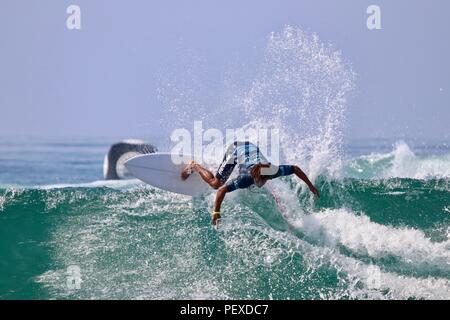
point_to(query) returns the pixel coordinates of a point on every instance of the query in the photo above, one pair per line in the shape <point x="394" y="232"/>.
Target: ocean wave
<point x="118" y="184"/>
<point x="407" y="246"/>
<point x="401" y="162"/>
<point x="143" y="243"/>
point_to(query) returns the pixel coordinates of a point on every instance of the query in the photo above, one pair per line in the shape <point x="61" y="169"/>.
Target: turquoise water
<point x="379" y="231"/>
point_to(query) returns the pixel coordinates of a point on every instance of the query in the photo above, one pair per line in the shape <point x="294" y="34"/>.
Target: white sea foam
<point x="362" y="236"/>
<point x="302" y="90"/>
<point x="329" y="229"/>
<point x="401" y="162"/>
<point x="9" y="194"/>
<point x="359" y="280"/>
<point x="115" y="184"/>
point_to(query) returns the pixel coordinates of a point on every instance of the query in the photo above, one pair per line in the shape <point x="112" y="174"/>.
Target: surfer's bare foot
<point x="187" y="170"/>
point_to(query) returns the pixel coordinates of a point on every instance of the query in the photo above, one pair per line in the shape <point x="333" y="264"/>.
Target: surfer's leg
<point x="223" y="172"/>
<point x="207" y="176"/>
<point x="186" y="172"/>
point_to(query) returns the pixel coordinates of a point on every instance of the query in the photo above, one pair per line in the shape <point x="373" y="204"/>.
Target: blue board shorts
<point x="232" y="156"/>
<point x="248" y="155"/>
<point x="245" y="179"/>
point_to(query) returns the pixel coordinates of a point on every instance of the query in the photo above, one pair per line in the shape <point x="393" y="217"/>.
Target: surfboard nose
<point x="132" y="165"/>
<point x="127" y="165"/>
<point x="134" y="161"/>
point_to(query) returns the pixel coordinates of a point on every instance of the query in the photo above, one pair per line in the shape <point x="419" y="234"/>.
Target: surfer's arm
<point x="241" y="182"/>
<point x="299" y="173"/>
<point x="220" y="195"/>
<point x="219" y="198"/>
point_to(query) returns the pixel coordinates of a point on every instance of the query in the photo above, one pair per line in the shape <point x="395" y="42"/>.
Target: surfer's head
<point x="255" y="171"/>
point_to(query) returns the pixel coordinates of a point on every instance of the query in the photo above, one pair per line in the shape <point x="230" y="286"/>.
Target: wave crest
<point x="401" y="162"/>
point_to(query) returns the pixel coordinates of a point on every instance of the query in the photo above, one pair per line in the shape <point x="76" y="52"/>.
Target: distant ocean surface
<point x="379" y="231"/>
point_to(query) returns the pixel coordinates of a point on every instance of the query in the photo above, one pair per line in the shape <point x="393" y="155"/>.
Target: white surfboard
<point x="159" y="170"/>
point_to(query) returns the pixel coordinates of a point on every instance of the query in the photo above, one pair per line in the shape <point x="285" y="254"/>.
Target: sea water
<point x="380" y="223"/>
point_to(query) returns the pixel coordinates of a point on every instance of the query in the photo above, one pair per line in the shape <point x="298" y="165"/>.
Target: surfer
<point x="254" y="169"/>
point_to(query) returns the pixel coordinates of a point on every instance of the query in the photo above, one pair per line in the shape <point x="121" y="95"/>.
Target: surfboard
<point x="158" y="170"/>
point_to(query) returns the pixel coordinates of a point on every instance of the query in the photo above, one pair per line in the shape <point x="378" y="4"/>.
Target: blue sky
<point x="103" y="80"/>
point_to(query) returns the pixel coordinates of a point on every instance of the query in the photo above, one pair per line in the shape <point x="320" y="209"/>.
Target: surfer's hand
<point x="315" y="191"/>
<point x="214" y="217"/>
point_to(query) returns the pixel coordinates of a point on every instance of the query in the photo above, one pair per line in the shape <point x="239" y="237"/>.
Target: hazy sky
<point x="102" y="80"/>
